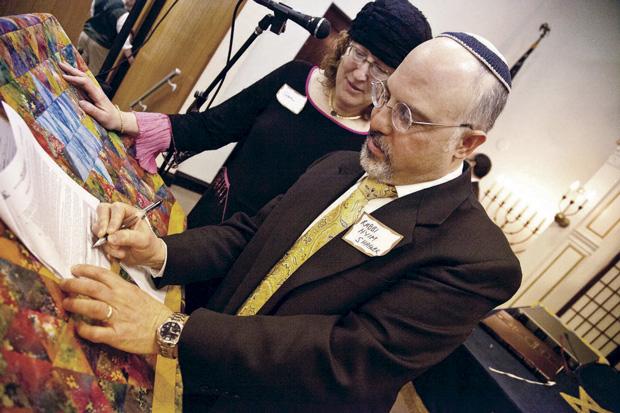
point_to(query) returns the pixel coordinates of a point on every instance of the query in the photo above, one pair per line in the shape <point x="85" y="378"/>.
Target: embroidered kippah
<point x="492" y="59"/>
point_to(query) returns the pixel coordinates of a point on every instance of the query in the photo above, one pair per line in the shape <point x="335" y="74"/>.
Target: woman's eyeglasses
<point x="360" y="57"/>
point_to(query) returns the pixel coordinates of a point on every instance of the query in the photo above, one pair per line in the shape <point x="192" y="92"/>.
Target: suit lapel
<point x="288" y="220"/>
<point x="428" y="207"/>
<point x="337" y="255"/>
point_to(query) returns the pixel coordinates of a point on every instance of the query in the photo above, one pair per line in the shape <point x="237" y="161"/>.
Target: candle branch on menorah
<point x="509" y="213"/>
<point x="510" y="218"/>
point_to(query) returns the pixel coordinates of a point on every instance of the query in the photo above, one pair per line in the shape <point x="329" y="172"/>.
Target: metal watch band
<point x="169" y="350"/>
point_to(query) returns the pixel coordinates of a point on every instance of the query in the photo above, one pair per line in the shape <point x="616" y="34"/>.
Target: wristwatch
<point x="169" y="333"/>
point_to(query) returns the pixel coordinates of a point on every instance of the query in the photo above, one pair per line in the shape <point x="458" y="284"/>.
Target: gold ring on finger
<point x="109" y="314"/>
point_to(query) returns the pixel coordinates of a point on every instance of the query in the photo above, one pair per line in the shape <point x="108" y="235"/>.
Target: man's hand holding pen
<point x="133" y="245"/>
<point x="125" y="316"/>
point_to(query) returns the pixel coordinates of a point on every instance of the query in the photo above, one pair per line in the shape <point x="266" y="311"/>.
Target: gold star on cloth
<point x="332" y="224"/>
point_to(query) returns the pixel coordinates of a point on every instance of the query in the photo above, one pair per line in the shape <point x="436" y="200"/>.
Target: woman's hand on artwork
<point x="122" y="315"/>
<point x="136" y="245"/>
<point x="99" y="107"/>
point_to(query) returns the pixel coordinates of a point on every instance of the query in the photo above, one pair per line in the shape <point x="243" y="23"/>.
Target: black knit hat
<point x="390" y="29"/>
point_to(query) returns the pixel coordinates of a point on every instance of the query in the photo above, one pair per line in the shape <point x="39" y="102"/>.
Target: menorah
<point x="518" y="221"/>
<point x="571" y="203"/>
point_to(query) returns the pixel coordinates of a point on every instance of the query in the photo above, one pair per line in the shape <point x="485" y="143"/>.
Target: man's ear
<point x="469" y="142"/>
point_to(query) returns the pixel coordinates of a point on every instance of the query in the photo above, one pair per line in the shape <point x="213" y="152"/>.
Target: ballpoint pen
<point x="131" y="221"/>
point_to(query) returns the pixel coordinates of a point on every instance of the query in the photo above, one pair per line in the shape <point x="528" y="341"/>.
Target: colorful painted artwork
<point x="44" y="365"/>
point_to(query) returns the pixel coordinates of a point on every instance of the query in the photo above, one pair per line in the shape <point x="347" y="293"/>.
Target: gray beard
<point x="379" y="169"/>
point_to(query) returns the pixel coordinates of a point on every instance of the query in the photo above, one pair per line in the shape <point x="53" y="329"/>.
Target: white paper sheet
<point x="49" y="212"/>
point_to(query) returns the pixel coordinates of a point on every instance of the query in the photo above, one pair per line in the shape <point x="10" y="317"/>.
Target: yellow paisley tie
<point x="332" y="224"/>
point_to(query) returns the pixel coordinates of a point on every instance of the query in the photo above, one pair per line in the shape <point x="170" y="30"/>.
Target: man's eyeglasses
<point x="402" y="119"/>
<point x="359" y="57"/>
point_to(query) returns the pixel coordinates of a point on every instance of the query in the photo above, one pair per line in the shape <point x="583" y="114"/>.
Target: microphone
<point x="319" y="27"/>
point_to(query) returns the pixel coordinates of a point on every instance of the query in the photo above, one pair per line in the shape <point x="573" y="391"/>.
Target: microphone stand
<point x="277" y="22"/>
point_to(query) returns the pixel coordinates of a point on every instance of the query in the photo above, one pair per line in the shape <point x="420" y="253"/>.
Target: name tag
<point x="291" y="99"/>
<point x="372" y="237"/>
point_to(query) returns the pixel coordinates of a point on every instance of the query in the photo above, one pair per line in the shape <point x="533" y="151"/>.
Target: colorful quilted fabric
<point x="44" y="366"/>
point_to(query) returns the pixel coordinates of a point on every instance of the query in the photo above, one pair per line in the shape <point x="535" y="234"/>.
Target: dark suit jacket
<point x="346" y="331"/>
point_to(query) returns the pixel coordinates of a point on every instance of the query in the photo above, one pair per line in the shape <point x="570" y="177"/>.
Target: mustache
<point x="377" y="139"/>
<point x="375" y="135"/>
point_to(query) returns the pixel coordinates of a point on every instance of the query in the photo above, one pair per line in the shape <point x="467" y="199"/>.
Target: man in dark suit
<point x="344" y="326"/>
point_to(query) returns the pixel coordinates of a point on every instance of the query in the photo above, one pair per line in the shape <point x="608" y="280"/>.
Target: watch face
<point x="170" y="330"/>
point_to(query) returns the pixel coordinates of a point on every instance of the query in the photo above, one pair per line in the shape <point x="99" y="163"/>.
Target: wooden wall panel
<point x="70" y="13"/>
<point x="186" y="39"/>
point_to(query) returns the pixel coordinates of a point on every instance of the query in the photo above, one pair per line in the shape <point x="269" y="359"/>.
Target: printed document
<point x="47" y="210"/>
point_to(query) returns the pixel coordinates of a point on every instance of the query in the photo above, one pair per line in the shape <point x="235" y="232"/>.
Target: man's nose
<point x="381" y="120"/>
